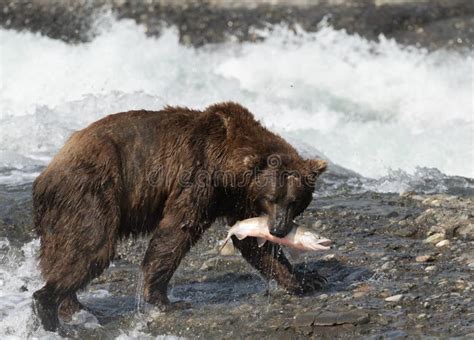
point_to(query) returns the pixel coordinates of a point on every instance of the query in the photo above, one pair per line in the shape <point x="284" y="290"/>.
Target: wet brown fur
<point x="120" y="177"/>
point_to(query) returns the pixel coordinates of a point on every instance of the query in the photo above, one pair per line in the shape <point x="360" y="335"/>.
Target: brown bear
<point x="169" y="174"/>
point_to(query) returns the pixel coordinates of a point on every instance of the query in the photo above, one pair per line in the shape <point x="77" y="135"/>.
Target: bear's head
<point x="282" y="188"/>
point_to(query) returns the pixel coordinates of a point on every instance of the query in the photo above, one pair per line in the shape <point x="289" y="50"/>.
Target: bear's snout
<point x="278" y="232"/>
<point x="278" y="225"/>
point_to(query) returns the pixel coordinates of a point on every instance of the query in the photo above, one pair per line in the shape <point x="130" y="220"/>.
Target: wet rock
<point x="323" y="296"/>
<point x="393" y="214"/>
<point x="443" y="243"/>
<point x="330" y="257"/>
<point x="465" y="231"/>
<point x="406" y="231"/>
<point x="396" y="334"/>
<point x="435" y="238"/>
<point x="354" y="317"/>
<point x="318" y="318"/>
<point x="424" y="258"/>
<point x="357" y="275"/>
<point x="394" y="298"/>
<point x="210" y="264"/>
<point x="362" y="290"/>
<point x="387" y="265"/>
<point x="339" y="318"/>
<point x="228" y="249"/>
<point x="305" y="319"/>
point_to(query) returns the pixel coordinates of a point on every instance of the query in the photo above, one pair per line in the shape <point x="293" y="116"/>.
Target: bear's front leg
<point x="166" y="249"/>
<point x="168" y="246"/>
<point x="272" y="263"/>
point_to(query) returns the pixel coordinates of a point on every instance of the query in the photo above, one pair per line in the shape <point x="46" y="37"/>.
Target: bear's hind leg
<point x="75" y="250"/>
<point x="59" y="293"/>
<point x="70" y="306"/>
<point x="45" y="307"/>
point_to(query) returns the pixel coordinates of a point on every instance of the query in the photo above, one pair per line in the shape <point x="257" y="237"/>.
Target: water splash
<point x="368" y="106"/>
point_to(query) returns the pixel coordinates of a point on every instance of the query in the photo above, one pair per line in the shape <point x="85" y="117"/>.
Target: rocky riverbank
<point x="401" y="265"/>
<point x="432" y="24"/>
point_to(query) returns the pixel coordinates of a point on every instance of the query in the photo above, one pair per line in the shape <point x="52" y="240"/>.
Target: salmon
<point x="300" y="238"/>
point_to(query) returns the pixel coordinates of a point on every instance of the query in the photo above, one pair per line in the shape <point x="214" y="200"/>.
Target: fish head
<point x="311" y="240"/>
<point x="283" y="192"/>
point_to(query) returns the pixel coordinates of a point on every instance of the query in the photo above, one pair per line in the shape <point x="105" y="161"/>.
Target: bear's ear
<point x="316" y="167"/>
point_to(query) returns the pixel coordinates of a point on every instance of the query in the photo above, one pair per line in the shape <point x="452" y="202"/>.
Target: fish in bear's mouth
<point x="299" y="238"/>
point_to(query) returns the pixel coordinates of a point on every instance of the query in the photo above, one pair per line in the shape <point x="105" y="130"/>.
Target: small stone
<point x="387" y="265"/>
<point x="436" y="229"/>
<point x="435" y="238"/>
<point x="305" y="330"/>
<point x="357" y="275"/>
<point x="210" y="264"/>
<point x="422" y="316"/>
<point x="465" y="231"/>
<point x="424" y="258"/>
<point x="330" y="257"/>
<point x="392" y="214"/>
<point x="406" y="231"/>
<point x="383" y="321"/>
<point x="431" y="269"/>
<point x="317" y="224"/>
<point x="443" y="243"/>
<point x="394" y="298"/>
<point x="362" y="290"/>
<point x="353" y="317"/>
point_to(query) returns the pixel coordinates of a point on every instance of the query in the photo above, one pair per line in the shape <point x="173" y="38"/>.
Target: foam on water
<point x="368" y="106"/>
<point x="19" y="278"/>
